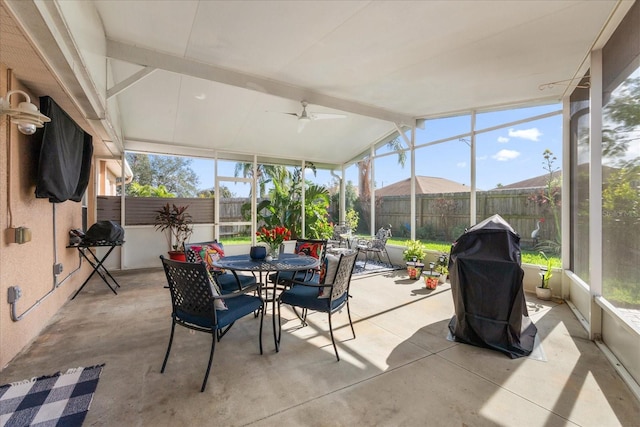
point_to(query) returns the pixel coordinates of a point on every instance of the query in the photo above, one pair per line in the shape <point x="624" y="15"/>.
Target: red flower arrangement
<point x="273" y="237"/>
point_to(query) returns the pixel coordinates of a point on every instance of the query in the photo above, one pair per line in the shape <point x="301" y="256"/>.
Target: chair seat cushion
<point x="228" y="282"/>
<point x="307" y="297"/>
<point x="287" y="276"/>
<point x="236" y="308"/>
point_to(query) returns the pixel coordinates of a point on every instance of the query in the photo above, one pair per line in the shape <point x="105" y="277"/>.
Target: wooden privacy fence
<point x="443" y="216"/>
<point x="141" y="210"/>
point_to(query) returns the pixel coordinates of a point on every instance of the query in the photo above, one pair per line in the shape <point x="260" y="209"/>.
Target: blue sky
<point x="503" y="156"/>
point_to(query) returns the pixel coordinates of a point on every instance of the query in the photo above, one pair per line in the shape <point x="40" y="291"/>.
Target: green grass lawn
<point x="528" y="257"/>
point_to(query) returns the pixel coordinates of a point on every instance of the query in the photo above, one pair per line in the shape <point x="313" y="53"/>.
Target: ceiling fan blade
<point x="302" y="122"/>
<point x="324" y="116"/>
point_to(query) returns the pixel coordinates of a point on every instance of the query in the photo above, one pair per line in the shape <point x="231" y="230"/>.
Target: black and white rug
<point x="373" y="267"/>
<point x="53" y="400"/>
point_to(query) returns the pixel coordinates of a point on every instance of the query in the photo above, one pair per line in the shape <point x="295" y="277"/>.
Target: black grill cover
<point x="486" y="285"/>
<point x="104" y="232"/>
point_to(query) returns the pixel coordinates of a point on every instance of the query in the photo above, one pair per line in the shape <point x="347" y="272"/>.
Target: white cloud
<point x="503" y="139"/>
<point x="481" y="158"/>
<point x="506" y="155"/>
<point x="461" y="164"/>
<point x="532" y="134"/>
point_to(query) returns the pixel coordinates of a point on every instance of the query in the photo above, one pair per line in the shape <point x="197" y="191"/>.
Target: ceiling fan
<point x="305" y="117"/>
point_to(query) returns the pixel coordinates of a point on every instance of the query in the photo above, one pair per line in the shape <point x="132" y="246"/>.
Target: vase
<point x="177" y="256"/>
<point x="274" y="252"/>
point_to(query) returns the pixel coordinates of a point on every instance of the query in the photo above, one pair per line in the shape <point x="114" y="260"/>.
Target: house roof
<point x="226" y="79"/>
<point x="424" y="185"/>
<point x="535" y="182"/>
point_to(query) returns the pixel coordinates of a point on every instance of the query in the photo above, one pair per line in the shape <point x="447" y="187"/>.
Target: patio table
<point x="285" y="262"/>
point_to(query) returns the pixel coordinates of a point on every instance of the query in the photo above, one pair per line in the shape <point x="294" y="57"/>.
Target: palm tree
<point x="364" y="178"/>
<point x="264" y="174"/>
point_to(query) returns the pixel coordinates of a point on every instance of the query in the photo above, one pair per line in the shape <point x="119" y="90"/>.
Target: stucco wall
<point x="30" y="265"/>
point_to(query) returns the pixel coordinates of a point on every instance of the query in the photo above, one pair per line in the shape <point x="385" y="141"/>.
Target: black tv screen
<point x="65" y="156"/>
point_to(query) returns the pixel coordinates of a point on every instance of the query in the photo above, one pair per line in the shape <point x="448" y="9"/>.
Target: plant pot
<point x="431" y="280"/>
<point x="443" y="279"/>
<point x="543" y="293"/>
<point x="178" y="256"/>
<point x="414" y="269"/>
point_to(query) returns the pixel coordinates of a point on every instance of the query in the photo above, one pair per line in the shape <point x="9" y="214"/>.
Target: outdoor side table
<point x="97" y="264"/>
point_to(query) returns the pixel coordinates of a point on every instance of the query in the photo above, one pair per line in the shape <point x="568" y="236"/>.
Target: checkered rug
<point x="54" y="400"/>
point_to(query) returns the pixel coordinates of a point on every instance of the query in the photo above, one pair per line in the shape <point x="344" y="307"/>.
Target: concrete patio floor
<point x="400" y="370"/>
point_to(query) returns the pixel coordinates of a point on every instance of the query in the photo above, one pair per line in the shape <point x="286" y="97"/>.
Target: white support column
<point x="472" y="161"/>
<point x="412" y="145"/>
<point x="123" y="205"/>
<point x="302" y="207"/>
<point x="372" y="202"/>
<point x="343" y="196"/>
<point x="595" y="194"/>
<point x="216" y="201"/>
<point x="254" y="201"/>
<point x="565" y="211"/>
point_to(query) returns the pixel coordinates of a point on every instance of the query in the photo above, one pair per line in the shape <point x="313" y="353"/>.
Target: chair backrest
<point x="339" y="231"/>
<point x="206" y="252"/>
<point x="384" y="233"/>
<point x="311" y="247"/>
<point x="342" y="278"/>
<point x="191" y="289"/>
<point x="379" y="242"/>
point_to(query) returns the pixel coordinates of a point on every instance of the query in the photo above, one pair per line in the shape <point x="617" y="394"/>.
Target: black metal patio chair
<point x="197" y="304"/>
<point x="316" y="248"/>
<point x="331" y="294"/>
<point x="208" y="252"/>
<point x="376" y="246"/>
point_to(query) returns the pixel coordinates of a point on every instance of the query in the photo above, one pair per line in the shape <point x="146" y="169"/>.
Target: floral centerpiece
<point x="273" y="237"/>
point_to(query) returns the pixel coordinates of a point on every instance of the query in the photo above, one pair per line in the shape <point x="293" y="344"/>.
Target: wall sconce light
<point x="26" y="116"/>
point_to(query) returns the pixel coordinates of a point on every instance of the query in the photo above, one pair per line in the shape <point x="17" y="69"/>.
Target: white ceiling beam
<point x="404" y="137"/>
<point x="129" y="81"/>
<point x="150" y="58"/>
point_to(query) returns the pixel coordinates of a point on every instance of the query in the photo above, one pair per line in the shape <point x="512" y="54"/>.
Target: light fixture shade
<point x="26" y="116"/>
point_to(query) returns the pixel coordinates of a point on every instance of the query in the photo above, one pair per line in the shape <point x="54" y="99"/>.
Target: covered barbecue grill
<point x="486" y="284"/>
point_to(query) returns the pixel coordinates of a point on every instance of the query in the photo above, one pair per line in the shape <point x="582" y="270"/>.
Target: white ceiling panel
<point x="224" y="69"/>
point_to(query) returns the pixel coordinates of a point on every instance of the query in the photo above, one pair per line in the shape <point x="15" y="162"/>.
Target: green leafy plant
<point x="352" y="218"/>
<point x="442" y="264"/>
<point x="176" y="223"/>
<point x="549" y="199"/>
<point x="545" y="272"/>
<point x="415" y="251"/>
<point x="283" y="208"/>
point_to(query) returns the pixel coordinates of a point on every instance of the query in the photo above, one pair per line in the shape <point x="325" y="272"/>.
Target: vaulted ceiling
<point x="211" y="78"/>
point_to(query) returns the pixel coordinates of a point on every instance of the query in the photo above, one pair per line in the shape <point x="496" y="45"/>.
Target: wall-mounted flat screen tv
<point x="65" y="156"/>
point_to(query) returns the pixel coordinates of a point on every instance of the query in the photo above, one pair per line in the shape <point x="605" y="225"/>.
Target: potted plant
<point x="176" y="223"/>
<point x="543" y="291"/>
<point x="414" y="256"/>
<point x="431" y="277"/>
<point x="442" y="267"/>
